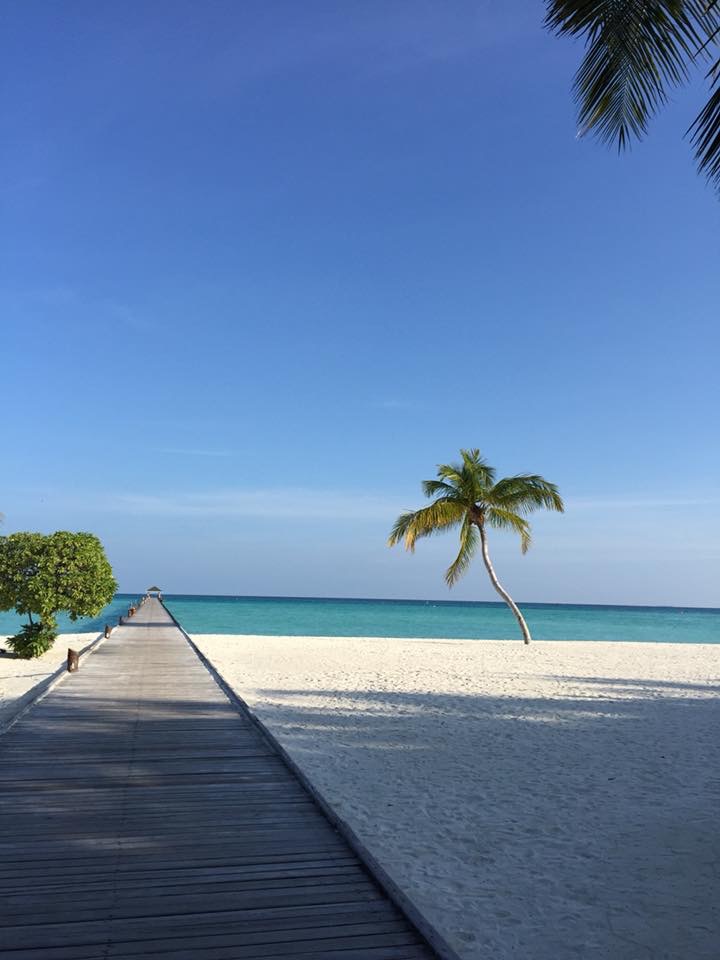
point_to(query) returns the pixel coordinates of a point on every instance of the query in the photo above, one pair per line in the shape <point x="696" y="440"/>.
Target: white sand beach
<point x="19" y="677"/>
<point x="551" y="802"/>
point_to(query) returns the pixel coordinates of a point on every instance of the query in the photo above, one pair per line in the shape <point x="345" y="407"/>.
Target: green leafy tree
<point x="466" y="495"/>
<point x="45" y="574"/>
<point x="636" y="51"/>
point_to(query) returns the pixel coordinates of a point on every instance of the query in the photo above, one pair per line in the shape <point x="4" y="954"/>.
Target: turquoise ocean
<point x="298" y="616"/>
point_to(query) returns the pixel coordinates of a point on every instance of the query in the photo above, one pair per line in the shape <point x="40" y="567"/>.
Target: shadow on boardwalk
<point x="142" y="816"/>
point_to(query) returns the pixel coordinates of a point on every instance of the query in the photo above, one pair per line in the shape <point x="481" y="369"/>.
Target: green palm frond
<point x="636" y="50"/>
<point x="468" y="478"/>
<point x="706" y="132"/>
<point x="433" y="488"/>
<point x="468" y="544"/>
<point x="451" y="473"/>
<point x="435" y="518"/>
<point x="503" y="519"/>
<point x="477" y="470"/>
<point x="526" y="492"/>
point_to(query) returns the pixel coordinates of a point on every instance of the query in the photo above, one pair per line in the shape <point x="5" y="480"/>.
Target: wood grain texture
<point x="141" y="815"/>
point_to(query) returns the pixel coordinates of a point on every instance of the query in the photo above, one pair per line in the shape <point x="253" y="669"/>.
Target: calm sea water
<point x="10" y="622"/>
<point x="416" y="618"/>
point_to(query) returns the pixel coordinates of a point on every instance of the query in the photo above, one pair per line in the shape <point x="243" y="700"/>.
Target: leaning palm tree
<point x="466" y="495"/>
<point x="636" y="50"/>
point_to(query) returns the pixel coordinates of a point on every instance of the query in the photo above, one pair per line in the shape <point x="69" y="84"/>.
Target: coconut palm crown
<point x="467" y="495"/>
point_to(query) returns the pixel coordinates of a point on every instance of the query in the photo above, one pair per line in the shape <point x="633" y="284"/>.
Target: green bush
<point x="44" y="574"/>
<point x="33" y="640"/>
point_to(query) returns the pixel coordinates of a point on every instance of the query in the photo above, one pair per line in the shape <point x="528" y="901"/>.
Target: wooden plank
<point x="174" y="878"/>
<point x="95" y="952"/>
<point x="384" y="947"/>
<point x="157" y="821"/>
<point x="188" y="924"/>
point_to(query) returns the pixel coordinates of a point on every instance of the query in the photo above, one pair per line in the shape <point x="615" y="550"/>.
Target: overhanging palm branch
<point x="438" y="517"/>
<point x="468" y="546"/>
<point x="636" y="50"/>
<point x="706" y="132"/>
<point x="467" y="495"/>
<point x="507" y="520"/>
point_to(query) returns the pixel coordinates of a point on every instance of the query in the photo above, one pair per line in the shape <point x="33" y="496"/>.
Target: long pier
<point x="143" y="815"/>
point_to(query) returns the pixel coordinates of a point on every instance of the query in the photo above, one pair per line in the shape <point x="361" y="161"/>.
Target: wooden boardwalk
<point x="141" y="815"/>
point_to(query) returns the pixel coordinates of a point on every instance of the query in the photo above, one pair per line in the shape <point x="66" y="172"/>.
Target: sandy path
<point x="551" y="802"/>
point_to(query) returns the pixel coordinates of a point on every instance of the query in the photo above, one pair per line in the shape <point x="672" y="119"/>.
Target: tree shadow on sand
<point x="574" y="826"/>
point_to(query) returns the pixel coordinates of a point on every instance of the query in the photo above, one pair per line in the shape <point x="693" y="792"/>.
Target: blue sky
<point x="265" y="264"/>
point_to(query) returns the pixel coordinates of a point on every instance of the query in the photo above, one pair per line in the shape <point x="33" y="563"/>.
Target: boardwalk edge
<point x="35" y="694"/>
<point x="396" y="895"/>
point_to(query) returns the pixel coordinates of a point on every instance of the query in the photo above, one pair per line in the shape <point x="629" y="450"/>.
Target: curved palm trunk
<point x="500" y="589"/>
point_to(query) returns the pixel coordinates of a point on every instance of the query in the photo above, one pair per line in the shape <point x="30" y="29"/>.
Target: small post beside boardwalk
<point x="73" y="661"/>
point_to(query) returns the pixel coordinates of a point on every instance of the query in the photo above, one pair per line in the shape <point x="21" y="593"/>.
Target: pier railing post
<point x="73" y="661"/>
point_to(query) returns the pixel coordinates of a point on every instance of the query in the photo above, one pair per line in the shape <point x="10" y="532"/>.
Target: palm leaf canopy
<point x="636" y="50"/>
<point x="466" y="495"/>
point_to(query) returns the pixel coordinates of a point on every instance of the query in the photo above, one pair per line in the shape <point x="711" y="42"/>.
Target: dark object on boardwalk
<point x="108" y="628"/>
<point x="73" y="661"/>
<point x="131" y="611"/>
